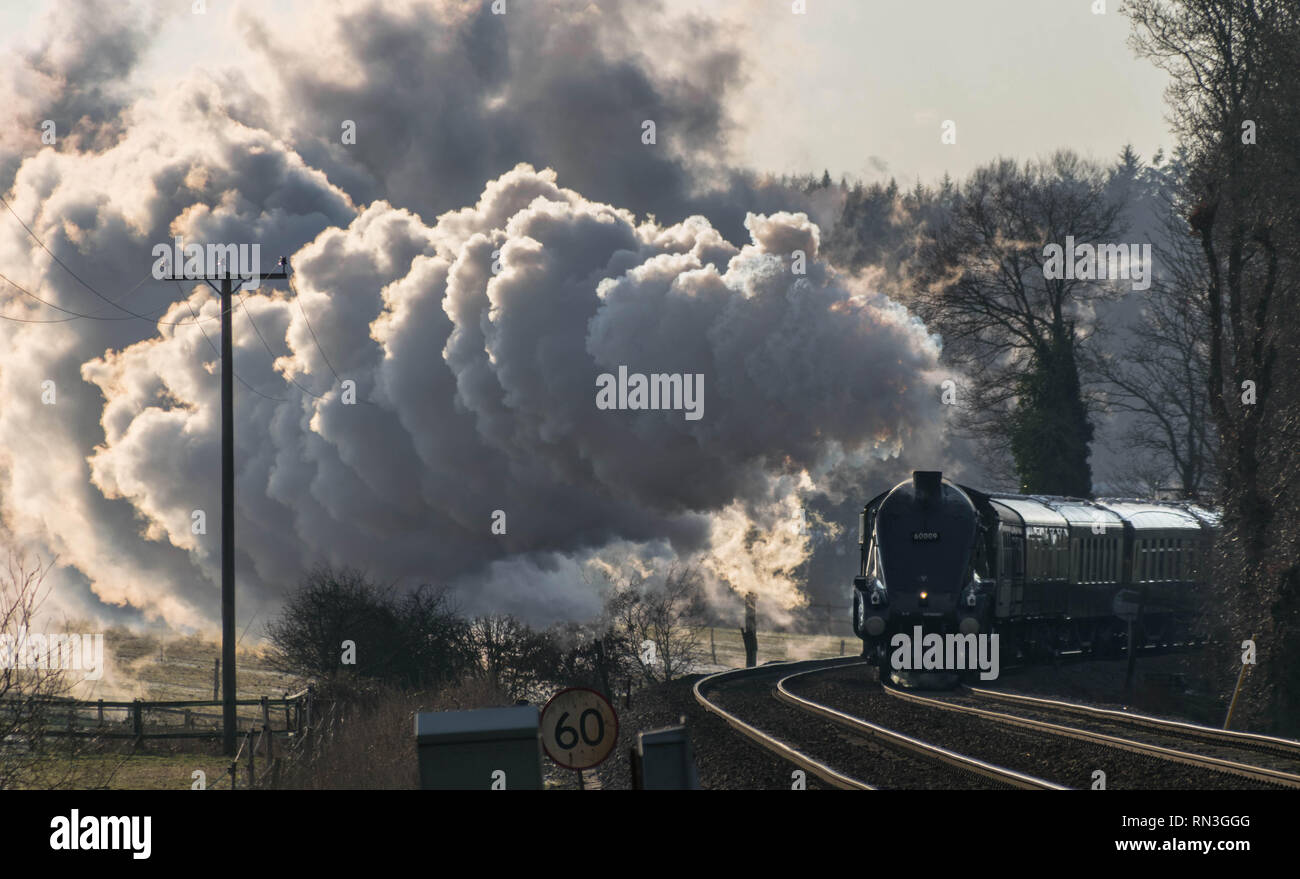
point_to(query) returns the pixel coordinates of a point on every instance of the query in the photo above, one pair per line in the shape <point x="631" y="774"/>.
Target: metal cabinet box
<point x="663" y="760"/>
<point x="464" y="750"/>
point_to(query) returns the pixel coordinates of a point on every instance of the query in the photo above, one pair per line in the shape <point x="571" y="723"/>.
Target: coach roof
<point x="1155" y="516"/>
<point x="1031" y="510"/>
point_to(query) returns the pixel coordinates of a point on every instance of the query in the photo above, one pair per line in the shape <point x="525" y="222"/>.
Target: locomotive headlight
<point x="878" y="593"/>
<point x="970" y="598"/>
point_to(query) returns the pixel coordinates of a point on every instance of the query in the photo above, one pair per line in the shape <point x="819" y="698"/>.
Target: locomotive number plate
<point x="925" y="536"/>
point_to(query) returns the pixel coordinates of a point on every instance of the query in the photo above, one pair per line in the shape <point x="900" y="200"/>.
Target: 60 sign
<point x="579" y="728"/>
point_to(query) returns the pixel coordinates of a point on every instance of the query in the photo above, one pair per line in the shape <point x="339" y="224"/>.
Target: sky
<point x="851" y="81"/>
<point x="499" y="233"/>
<point x="858" y="87"/>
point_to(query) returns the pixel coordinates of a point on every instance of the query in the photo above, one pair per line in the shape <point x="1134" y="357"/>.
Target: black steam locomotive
<point x="1048" y="575"/>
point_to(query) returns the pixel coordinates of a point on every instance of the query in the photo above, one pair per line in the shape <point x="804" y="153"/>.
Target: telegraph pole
<point x="226" y="289"/>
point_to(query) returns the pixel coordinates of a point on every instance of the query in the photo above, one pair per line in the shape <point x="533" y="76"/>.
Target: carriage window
<point x="1013" y="553"/>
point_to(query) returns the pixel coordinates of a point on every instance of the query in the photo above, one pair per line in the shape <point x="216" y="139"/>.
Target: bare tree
<point x="29" y="686"/>
<point x="513" y="657"/>
<point x="1162" y="378"/>
<point x="416" y="639"/>
<point x="1228" y="61"/>
<point x="1233" y="98"/>
<point x="982" y="280"/>
<point x="657" y="622"/>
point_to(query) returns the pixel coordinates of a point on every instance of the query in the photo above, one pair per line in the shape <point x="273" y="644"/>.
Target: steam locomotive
<point x="1048" y="575"/>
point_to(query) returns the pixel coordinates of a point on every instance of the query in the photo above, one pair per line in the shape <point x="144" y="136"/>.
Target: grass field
<point x="147" y="667"/>
<point x="137" y="771"/>
<point x="730" y="649"/>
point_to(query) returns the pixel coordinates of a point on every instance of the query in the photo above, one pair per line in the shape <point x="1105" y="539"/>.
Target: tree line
<point x="340" y="624"/>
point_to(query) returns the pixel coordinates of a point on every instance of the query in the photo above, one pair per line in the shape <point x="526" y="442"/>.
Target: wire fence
<point x="142" y="719"/>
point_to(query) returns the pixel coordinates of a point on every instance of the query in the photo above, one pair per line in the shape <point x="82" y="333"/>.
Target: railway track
<point x="860" y="747"/>
<point x="1282" y="754"/>
<point x="1159" y="741"/>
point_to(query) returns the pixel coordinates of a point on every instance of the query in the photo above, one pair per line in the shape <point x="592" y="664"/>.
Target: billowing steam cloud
<point x="476" y="391"/>
<point x="472" y="340"/>
<point x="447" y="95"/>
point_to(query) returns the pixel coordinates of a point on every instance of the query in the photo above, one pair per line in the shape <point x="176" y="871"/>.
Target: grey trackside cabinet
<point x="485" y="749"/>
<point x="662" y="760"/>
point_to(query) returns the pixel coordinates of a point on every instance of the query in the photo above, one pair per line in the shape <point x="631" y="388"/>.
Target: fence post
<point x="266" y="712"/>
<point x="137" y="718"/>
<point x="101" y="712"/>
<point x="749" y="634"/>
<point x="189" y="719"/>
<point x="252" y="778"/>
<point x="602" y="666"/>
<point x="216" y="679"/>
<point x="287" y="725"/>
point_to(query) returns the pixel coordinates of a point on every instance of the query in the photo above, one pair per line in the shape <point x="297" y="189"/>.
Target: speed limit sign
<point x="579" y="728"/>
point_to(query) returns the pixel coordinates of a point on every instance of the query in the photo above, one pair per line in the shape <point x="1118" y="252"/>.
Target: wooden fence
<point x="182" y="719"/>
<point x="299" y="721"/>
<point x="318" y="723"/>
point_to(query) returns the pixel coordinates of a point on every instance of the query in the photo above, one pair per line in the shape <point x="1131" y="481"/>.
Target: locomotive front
<point x="918" y="567"/>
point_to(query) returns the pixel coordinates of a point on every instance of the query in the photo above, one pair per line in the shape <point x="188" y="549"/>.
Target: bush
<point x="416" y="640"/>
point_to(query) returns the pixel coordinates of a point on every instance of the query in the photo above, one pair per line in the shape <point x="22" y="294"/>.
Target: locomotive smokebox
<point x="927" y="485"/>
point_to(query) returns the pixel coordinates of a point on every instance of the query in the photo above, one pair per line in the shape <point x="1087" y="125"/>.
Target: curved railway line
<point x="1282" y="755"/>
<point x="908" y="756"/>
<point x="1256" y="773"/>
<point x="808" y="713"/>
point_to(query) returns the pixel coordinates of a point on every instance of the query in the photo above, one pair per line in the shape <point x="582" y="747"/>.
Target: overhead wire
<point x="307" y="321"/>
<point x="129" y="314"/>
<point x="248" y="314"/>
<point x="75" y="315"/>
<point x="218" y="353"/>
<point x="81" y="281"/>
